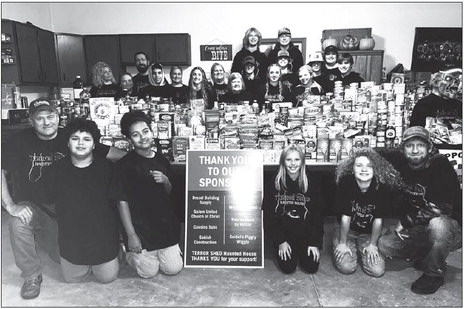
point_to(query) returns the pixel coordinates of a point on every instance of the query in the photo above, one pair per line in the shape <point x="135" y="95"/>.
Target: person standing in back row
<point x="141" y="78"/>
<point x="285" y="43"/>
<point x="251" y="42"/>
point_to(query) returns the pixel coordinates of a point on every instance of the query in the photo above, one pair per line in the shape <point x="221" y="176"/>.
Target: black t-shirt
<point x="279" y="93"/>
<point x="27" y="157"/>
<point x="154" y="91"/>
<point x="352" y="77"/>
<point x="236" y="98"/>
<point x="111" y="90"/>
<point x="220" y="90"/>
<point x="140" y="82"/>
<point x="178" y="95"/>
<point x="448" y="111"/>
<point x="152" y="214"/>
<point x="363" y="208"/>
<point x="210" y="97"/>
<point x="88" y="232"/>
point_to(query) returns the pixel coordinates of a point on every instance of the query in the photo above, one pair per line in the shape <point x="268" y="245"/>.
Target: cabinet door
<point x="173" y="49"/>
<point x="132" y="43"/>
<point x="71" y="58"/>
<point x="46" y="40"/>
<point x="102" y="48"/>
<point x="29" y="57"/>
<point x="10" y="71"/>
<point x="368" y="64"/>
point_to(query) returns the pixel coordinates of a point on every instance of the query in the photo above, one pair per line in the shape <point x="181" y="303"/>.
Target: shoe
<point x="427" y="284"/>
<point x="419" y="265"/>
<point x="31" y="287"/>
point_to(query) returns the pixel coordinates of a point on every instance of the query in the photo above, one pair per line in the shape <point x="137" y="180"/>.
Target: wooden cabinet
<point x="10" y="71"/>
<point x="173" y="49"/>
<point x="71" y="58"/>
<point x="36" y="63"/>
<point x="132" y="43"/>
<point x="368" y="63"/>
<point x="102" y="48"/>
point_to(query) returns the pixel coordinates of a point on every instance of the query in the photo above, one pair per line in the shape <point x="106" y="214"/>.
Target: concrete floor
<point x="266" y="287"/>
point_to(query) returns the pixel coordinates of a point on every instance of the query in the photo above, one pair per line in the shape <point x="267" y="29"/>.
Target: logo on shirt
<point x="362" y="214"/>
<point x="40" y="161"/>
<point x="292" y="205"/>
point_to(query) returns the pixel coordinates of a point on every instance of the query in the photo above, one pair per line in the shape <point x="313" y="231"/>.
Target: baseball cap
<point x="284" y="30"/>
<point x="283" y="53"/>
<point x="249" y="59"/>
<point x="315" y="57"/>
<point x="330" y="49"/>
<point x="41" y="104"/>
<point x="417" y="131"/>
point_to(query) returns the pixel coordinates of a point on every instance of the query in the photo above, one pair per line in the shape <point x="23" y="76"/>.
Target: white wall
<point x="393" y="24"/>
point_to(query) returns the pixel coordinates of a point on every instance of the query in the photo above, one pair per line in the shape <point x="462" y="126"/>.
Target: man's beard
<point x="142" y="68"/>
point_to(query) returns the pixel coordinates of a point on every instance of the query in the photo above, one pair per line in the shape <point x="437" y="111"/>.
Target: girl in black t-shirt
<point x="361" y="202"/>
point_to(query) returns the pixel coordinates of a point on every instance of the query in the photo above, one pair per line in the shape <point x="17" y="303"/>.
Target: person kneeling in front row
<point x="141" y="185"/>
<point x="88" y="233"/>
<point x="363" y="181"/>
<point x="293" y="214"/>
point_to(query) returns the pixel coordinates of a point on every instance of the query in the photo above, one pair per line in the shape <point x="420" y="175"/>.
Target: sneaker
<point x="31" y="287"/>
<point x="427" y="284"/>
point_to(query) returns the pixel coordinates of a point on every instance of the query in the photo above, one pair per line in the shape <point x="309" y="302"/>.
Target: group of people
<point x="419" y="188"/>
<point x="280" y="76"/>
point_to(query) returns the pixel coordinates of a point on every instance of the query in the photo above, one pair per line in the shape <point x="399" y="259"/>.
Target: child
<point x="361" y="202"/>
<point x="306" y="87"/>
<point x="274" y="89"/>
<point x="289" y="78"/>
<point x="141" y="186"/>
<point x="330" y="70"/>
<point x="345" y="64"/>
<point x="293" y="214"/>
<point x="88" y="232"/>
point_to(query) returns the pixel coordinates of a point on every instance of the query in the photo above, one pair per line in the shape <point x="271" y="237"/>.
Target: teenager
<point x="141" y="185"/>
<point x="306" y="87"/>
<point x="347" y="76"/>
<point x="199" y="88"/>
<point x="177" y="91"/>
<point x="293" y="214"/>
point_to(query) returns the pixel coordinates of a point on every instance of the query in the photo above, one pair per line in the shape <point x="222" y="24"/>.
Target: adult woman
<point x="199" y="88"/>
<point x="306" y="87"/>
<point x="104" y="84"/>
<point x="219" y="82"/>
<point x="274" y="89"/>
<point x="293" y="214"/>
<point x="158" y="83"/>
<point x="176" y="90"/>
<point x="363" y="184"/>
<point x="126" y="87"/>
<point x="237" y="91"/>
<point x="251" y="42"/>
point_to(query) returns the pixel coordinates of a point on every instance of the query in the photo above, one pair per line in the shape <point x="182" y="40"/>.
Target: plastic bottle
<point x="78" y="85"/>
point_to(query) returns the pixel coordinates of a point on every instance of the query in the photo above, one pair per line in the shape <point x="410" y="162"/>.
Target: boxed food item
<point x="180" y="145"/>
<point x="164" y="146"/>
<point x="311" y="149"/>
<point x="334" y="150"/>
<point x="196" y="142"/>
<point x="231" y="142"/>
<point x="212" y="144"/>
<point x="322" y="152"/>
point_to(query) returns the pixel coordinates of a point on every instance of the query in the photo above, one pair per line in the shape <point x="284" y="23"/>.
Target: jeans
<point x="429" y="243"/>
<point x="356" y="242"/>
<point x="148" y="263"/>
<point x="41" y="231"/>
<point x="299" y="253"/>
<point x="104" y="272"/>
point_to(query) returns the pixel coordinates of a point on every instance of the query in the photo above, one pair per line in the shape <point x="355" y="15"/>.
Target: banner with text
<point x="223" y="220"/>
<point x="216" y="52"/>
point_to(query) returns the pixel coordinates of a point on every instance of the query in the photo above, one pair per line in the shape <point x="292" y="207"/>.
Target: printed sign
<point x="455" y="157"/>
<point x="216" y="52"/>
<point x="223" y="226"/>
<point x="102" y="111"/>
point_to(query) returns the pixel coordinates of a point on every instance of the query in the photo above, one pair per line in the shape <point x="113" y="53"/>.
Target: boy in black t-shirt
<point x="141" y="186"/>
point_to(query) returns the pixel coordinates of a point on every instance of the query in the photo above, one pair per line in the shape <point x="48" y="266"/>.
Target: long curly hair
<point x="384" y="172"/>
<point x="204" y="85"/>
<point x="268" y="81"/>
<point x="280" y="180"/>
<point x="97" y="73"/>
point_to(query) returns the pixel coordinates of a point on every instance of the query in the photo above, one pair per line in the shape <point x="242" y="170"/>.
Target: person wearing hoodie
<point x="251" y="42"/>
<point x="158" y="83"/>
<point x="345" y="64"/>
<point x="250" y="73"/>
<point x="307" y="86"/>
<point x="293" y="216"/>
<point x="285" y="43"/>
<point x="316" y="62"/>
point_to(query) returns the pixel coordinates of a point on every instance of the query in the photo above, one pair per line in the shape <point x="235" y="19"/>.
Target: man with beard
<point x="251" y="42"/>
<point x="142" y="63"/>
<point x="285" y="43"/>
<point x="430" y="219"/>
<point x="442" y="103"/>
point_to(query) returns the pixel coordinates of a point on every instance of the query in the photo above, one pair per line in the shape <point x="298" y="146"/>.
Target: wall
<point x="393" y="24"/>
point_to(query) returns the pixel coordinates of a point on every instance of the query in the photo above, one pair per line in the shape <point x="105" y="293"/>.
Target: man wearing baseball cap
<point x="316" y="62"/>
<point x="284" y="37"/>
<point x="26" y="156"/>
<point x="431" y="214"/>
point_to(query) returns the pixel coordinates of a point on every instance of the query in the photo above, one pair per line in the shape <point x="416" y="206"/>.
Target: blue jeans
<point x="42" y="231"/>
<point x="356" y="242"/>
<point x="430" y="243"/>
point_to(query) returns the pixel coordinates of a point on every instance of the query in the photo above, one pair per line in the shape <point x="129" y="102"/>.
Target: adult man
<point x="251" y="42"/>
<point x="142" y="63"/>
<point x="431" y="215"/>
<point x="26" y="156"/>
<point x="441" y="106"/>
<point x="284" y="38"/>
